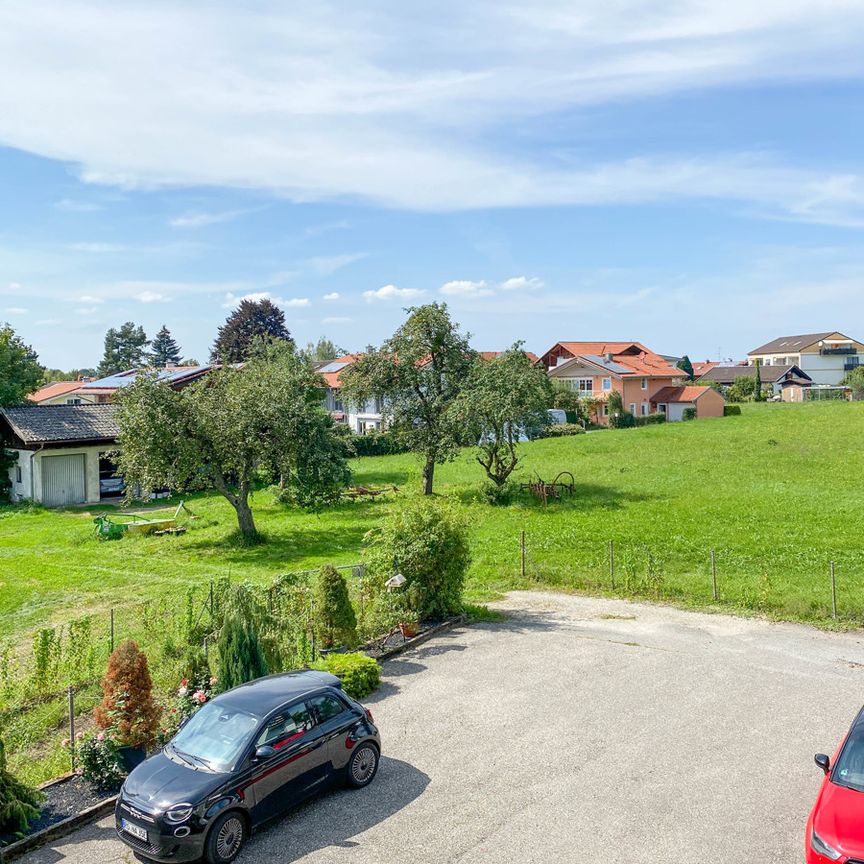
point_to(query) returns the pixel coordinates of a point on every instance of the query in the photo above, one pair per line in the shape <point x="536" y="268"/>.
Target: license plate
<point x="134" y="830"/>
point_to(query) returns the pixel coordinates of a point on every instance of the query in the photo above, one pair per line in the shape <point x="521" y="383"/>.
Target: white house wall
<point x="30" y="487"/>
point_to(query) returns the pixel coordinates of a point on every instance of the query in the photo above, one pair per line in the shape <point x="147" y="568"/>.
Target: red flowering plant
<point x="189" y="697"/>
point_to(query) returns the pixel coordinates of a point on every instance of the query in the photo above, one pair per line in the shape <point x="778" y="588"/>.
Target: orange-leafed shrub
<point x="127" y="707"/>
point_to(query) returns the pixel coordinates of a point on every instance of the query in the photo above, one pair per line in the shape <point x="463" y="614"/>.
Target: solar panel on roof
<point x="606" y="364"/>
<point x="334" y="367"/>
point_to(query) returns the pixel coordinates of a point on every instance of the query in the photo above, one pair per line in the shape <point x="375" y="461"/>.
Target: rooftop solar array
<point x="122" y="379"/>
<point x="336" y="366"/>
<point x="607" y="364"/>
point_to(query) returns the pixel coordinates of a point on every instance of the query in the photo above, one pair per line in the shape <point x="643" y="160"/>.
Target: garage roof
<point x="56" y="424"/>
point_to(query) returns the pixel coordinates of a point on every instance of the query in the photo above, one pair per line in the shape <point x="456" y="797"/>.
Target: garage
<point x="64" y="480"/>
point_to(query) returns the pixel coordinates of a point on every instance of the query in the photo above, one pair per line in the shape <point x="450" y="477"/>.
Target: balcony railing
<point x="849" y="365"/>
<point x="829" y="351"/>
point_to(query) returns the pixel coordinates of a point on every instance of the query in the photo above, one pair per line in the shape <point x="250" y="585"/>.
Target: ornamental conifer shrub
<point x="335" y="622"/>
<point x="241" y="655"/>
<point x="19" y="804"/>
<point x="127" y="708"/>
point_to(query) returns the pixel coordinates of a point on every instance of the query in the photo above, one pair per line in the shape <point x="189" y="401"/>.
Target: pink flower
<point x="184" y="682"/>
<point x="79" y="735"/>
<point x="200" y="695"/>
<point x="100" y="736"/>
<point x="173" y="710"/>
<point x="213" y="680"/>
<point x="183" y="690"/>
<point x="65" y="742"/>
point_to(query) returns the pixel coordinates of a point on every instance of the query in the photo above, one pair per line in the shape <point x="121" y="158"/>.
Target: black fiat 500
<point x="241" y="759"/>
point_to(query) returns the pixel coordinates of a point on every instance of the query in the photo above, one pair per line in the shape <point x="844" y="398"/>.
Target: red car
<point x="835" y="829"/>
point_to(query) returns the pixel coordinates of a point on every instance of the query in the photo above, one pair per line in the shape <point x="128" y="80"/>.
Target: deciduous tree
<point x="229" y="429"/>
<point x="323" y="350"/>
<point x="418" y="373"/>
<point x="252" y="323"/>
<point x="20" y="370"/>
<point x="854" y="380"/>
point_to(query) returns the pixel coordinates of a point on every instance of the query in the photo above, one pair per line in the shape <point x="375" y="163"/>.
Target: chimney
<point x="609" y="356"/>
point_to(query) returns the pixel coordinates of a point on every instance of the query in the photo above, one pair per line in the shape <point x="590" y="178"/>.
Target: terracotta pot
<point x="408" y="630"/>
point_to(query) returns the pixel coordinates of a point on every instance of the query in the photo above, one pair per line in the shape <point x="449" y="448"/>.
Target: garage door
<point x="63" y="480"/>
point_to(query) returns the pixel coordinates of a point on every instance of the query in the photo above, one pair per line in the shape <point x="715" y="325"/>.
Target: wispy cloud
<point x="15" y="310"/>
<point x="74" y="205"/>
<point x="90" y="300"/>
<point x="391" y="292"/>
<point x="232" y="300"/>
<point x="466" y="288"/>
<point x="96" y="248"/>
<point x="333" y="295"/>
<point x="152" y="297"/>
<point x="336" y="320"/>
<point x="201" y="218"/>
<point x="326" y="265"/>
<point x="521" y="283"/>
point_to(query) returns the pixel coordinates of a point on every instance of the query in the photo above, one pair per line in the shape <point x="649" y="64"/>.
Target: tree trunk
<point x="428" y="476"/>
<point x="244" y="518"/>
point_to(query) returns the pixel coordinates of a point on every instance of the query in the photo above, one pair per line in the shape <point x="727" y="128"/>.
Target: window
<point x="662" y="407"/>
<point x="73" y="401"/>
<point x="632" y="407"/>
<point x="644" y="384"/>
<point x="290" y="724"/>
<point x="217" y="734"/>
<point x="586" y="385"/>
<point x="644" y="409"/>
<point x="327" y="707"/>
<point x="605" y="410"/>
<point x="337" y="404"/>
<point x="607" y="383"/>
<point x="18" y="474"/>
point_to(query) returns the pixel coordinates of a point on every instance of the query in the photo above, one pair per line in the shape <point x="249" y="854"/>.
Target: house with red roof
<point x="596" y="369"/>
<point x="361" y="420"/>
<point x="673" y="401"/>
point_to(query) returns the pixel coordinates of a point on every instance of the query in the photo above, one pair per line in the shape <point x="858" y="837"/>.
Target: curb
<point x="423" y="637"/>
<point x="58" y="829"/>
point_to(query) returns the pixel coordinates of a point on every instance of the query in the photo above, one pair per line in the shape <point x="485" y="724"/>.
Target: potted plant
<point x="405" y="609"/>
<point x="335" y="623"/>
<point x="19" y="804"/>
<point x="127" y="711"/>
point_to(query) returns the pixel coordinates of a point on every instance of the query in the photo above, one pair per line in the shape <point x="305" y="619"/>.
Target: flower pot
<point x="131" y="757"/>
<point x="408" y="630"/>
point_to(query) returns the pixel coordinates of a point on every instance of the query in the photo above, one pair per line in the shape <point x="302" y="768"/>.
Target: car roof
<point x="266" y="694"/>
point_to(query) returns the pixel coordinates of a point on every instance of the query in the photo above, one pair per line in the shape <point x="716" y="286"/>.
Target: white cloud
<point x="200" y="218"/>
<point x="333" y="295"/>
<point x="336" y="320"/>
<point x="76" y="206"/>
<point x="15" y="310"/>
<point x="89" y="299"/>
<point x="231" y="300"/>
<point x="152" y="297"/>
<point x="466" y="288"/>
<point x="86" y="310"/>
<point x="49" y="322"/>
<point x="332" y="105"/>
<point x="391" y="292"/>
<point x="95" y="247"/>
<point x="521" y="283"/>
<point x="329" y="264"/>
<point x="14" y="286"/>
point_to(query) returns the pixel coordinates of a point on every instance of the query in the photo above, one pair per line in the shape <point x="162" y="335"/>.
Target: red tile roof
<point x="332" y="378"/>
<point x="689" y="393"/>
<point x="634" y="356"/>
<point x="51" y="391"/>
<point x="700" y="369"/>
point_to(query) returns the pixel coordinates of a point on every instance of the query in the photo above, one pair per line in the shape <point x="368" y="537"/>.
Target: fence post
<point x="522" y="552"/>
<point x="833" y="593"/>
<point x="206" y="649"/>
<point x="612" y="563"/>
<point x="71" y="696"/>
<point x="112" y="631"/>
<point x="714" y="575"/>
<point x="211" y="599"/>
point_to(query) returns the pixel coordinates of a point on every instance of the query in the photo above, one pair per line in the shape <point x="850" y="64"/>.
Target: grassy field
<point x="776" y="492"/>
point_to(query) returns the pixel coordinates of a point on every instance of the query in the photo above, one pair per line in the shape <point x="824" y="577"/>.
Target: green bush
<point x="100" y="763"/>
<point x="241" y="655"/>
<point x="360" y="675"/>
<point x="560" y="430"/>
<point x="496" y="495"/>
<point x="731" y="410"/>
<point x="334" y="615"/>
<point x="689" y="414"/>
<point x="651" y="419"/>
<point x="426" y="541"/>
<point x="377" y="444"/>
<point x="19" y="804"/>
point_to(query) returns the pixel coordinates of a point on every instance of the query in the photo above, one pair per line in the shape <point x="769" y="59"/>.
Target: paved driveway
<point x="581" y="730"/>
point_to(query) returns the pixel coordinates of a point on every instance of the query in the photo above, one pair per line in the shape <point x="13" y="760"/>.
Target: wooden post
<point x="71" y="695"/>
<point x="112" y="631"/>
<point x="612" y="563"/>
<point x="206" y="649"/>
<point x="522" y="552"/>
<point x="211" y="599"/>
<point x="714" y="575"/>
<point x="833" y="593"/>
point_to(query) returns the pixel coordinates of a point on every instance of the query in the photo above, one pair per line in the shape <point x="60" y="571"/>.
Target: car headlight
<point x="179" y="813"/>
<point x="817" y="844"/>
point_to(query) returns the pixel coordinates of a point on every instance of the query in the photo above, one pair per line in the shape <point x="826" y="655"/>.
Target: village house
<point x="787" y="382"/>
<point x="596" y="369"/>
<point x="673" y="401"/>
<point x="826" y="358"/>
<point x="360" y="419"/>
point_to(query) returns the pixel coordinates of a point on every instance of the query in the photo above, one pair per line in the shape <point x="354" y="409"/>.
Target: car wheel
<point x="225" y="839"/>
<point x="362" y="766"/>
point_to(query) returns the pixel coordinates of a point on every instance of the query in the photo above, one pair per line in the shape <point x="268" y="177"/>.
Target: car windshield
<point x="215" y="737"/>
<point x="849" y="768"/>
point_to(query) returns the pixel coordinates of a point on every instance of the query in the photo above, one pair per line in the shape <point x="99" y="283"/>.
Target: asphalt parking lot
<point x="580" y="730"/>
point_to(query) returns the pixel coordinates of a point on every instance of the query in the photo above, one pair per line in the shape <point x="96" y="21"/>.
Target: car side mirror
<point x="264" y="752"/>
<point x="823" y="762"/>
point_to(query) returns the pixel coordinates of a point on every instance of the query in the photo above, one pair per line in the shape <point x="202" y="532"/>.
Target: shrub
<point x="689" y="414"/>
<point x="360" y="675"/>
<point x="651" y="419"/>
<point x="731" y="410"/>
<point x="127" y="706"/>
<point x="241" y="655"/>
<point x="334" y="615"/>
<point x="19" y="804"/>
<point x="99" y="761"/>
<point x="425" y="540"/>
<point x="560" y="430"/>
<point x="377" y="444"/>
<point x="497" y="495"/>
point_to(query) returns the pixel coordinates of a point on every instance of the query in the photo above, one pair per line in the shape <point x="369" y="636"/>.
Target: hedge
<point x="360" y="675"/>
<point x="651" y="419"/>
<point x="731" y="410"/>
<point x="377" y="444"/>
<point x="559" y="430"/>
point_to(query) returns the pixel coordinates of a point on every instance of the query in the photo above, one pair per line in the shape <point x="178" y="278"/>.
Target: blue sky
<point x="688" y="174"/>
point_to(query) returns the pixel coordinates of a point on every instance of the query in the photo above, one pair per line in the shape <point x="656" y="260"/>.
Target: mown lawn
<point x="777" y="492"/>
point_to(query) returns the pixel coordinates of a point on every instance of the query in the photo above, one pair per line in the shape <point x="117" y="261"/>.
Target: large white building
<point x="825" y="357"/>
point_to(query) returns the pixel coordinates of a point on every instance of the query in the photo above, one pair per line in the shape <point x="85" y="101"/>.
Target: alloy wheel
<point x="229" y="838"/>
